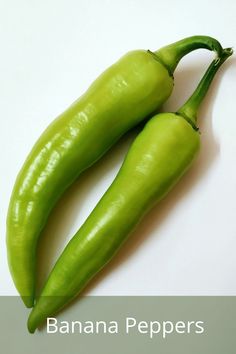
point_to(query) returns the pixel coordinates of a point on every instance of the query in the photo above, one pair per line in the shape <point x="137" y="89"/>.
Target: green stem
<point x="190" y="108"/>
<point x="172" y="54"/>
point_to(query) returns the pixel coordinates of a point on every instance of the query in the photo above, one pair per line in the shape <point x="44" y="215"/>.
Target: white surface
<point x="50" y="52"/>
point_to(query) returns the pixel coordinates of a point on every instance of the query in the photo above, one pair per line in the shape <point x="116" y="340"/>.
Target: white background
<point x="51" y="51"/>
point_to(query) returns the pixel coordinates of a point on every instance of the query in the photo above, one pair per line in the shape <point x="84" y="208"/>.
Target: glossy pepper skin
<point x="119" y="99"/>
<point x="157" y="159"/>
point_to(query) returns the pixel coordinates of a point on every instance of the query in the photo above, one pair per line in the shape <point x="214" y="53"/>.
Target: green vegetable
<point x="119" y="99"/>
<point x="159" y="156"/>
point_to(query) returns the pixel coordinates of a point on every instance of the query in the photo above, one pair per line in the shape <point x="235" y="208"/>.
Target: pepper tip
<point x="30" y="325"/>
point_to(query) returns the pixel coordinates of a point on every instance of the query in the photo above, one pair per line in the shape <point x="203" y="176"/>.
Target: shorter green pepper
<point x="159" y="156"/>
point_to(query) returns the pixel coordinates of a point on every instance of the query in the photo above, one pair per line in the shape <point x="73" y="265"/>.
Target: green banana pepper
<point x="119" y="99"/>
<point x="157" y="159"/>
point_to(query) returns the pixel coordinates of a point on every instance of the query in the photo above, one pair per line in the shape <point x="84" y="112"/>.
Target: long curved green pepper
<point x="157" y="159"/>
<point x="119" y="99"/>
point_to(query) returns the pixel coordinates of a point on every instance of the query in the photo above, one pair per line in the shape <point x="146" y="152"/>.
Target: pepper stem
<point x="172" y="54"/>
<point x="190" y="108"/>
